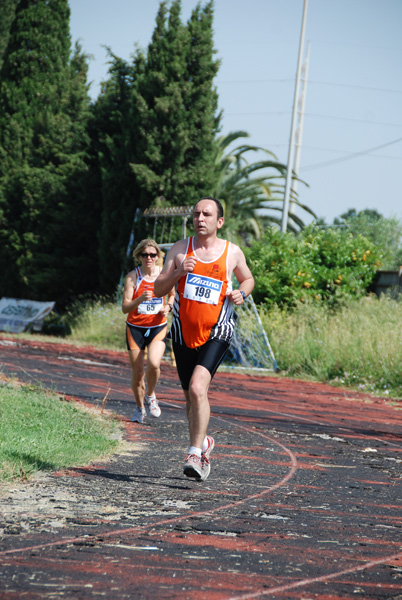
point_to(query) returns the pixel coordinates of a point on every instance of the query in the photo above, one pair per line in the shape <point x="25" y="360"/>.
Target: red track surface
<point x="303" y="501"/>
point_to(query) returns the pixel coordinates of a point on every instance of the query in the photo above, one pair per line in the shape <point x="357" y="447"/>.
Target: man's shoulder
<point x="235" y="249"/>
<point x="179" y="246"/>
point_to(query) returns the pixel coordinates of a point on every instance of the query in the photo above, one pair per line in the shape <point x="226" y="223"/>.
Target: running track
<point x="303" y="501"/>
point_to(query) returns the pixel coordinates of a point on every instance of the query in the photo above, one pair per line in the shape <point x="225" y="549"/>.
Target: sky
<point x="350" y="154"/>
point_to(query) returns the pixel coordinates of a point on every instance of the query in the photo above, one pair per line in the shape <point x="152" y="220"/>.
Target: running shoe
<point x="192" y="467"/>
<point x="139" y="414"/>
<point x="211" y="445"/>
<point x="205" y="464"/>
<point x="152" y="407"/>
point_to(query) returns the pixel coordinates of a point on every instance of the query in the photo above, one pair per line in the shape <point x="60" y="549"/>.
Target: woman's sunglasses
<point x="146" y="254"/>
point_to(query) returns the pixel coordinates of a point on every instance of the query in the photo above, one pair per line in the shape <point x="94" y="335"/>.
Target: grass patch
<point x="39" y="431"/>
<point x="97" y="322"/>
<point x="357" y="345"/>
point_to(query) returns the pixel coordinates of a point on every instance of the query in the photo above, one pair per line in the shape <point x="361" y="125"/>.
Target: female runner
<point x="146" y="327"/>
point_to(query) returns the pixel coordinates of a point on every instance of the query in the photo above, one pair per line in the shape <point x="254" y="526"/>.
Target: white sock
<point x="194" y="450"/>
<point x="204" y="444"/>
<point x="153" y="397"/>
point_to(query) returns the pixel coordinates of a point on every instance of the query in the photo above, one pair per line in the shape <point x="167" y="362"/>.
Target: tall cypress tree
<point x="159" y="138"/>
<point x="118" y="190"/>
<point x="7" y="15"/>
<point x="44" y="112"/>
<point x="174" y="109"/>
<point x="202" y="103"/>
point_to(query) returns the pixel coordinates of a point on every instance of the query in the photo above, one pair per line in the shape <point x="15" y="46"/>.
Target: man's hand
<point x="188" y="264"/>
<point x="236" y="297"/>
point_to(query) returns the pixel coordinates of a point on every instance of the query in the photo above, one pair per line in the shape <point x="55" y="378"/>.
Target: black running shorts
<point x="138" y="338"/>
<point x="209" y="355"/>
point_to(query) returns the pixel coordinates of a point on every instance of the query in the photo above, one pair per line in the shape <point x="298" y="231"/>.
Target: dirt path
<point x="303" y="501"/>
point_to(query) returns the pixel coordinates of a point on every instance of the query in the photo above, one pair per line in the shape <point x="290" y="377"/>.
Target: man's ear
<point x="221" y="221"/>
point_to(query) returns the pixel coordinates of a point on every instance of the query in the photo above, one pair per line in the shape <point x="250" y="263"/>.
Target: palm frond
<point x="252" y="192"/>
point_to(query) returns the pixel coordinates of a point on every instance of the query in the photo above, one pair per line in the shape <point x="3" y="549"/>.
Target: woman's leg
<point x="156" y="350"/>
<point x="137" y="376"/>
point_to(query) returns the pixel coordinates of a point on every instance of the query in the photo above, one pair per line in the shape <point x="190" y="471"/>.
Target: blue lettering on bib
<point x="202" y="289"/>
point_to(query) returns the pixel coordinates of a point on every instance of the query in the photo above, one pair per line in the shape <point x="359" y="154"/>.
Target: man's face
<point x="205" y="218"/>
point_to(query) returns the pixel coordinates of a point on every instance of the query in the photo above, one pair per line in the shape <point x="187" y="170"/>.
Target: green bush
<point x="314" y="266"/>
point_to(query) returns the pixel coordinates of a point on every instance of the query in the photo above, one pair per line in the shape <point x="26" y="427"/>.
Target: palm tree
<point x="252" y="201"/>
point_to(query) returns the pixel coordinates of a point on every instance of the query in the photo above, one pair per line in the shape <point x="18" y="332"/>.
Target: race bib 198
<point x="150" y="307"/>
<point x="202" y="289"/>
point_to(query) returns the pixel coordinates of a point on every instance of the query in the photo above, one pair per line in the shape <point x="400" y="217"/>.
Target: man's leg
<point x="195" y="380"/>
<point x="197" y="405"/>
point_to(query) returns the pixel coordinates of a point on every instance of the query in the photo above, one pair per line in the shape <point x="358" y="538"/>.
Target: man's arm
<point x="173" y="269"/>
<point x="243" y="276"/>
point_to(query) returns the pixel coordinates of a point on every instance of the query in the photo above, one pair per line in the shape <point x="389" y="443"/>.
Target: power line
<point x="346" y="85"/>
<point x="315" y="115"/>
<point x="351" y="156"/>
<point x="352" y="119"/>
<point x="321" y="149"/>
<point x="256" y="81"/>
<point x="357" y="87"/>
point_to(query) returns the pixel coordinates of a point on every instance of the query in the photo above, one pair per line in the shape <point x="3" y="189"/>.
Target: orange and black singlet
<point x="202" y="311"/>
<point x="147" y="314"/>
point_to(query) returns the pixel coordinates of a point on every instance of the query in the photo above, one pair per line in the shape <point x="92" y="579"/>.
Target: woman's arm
<point x="128" y="304"/>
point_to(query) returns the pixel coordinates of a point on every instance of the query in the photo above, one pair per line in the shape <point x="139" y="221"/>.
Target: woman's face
<point x="148" y="256"/>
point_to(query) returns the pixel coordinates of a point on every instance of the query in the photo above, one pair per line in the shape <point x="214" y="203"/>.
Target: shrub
<point x="314" y="266"/>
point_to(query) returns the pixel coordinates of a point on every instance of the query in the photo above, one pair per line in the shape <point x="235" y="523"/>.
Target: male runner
<point x="201" y="268"/>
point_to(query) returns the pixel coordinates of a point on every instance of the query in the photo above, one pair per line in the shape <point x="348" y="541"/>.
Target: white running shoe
<point x="152" y="406"/>
<point x="211" y="445"/>
<point x="196" y="467"/>
<point x="139" y="415"/>
<point x="192" y="467"/>
<point x="205" y="464"/>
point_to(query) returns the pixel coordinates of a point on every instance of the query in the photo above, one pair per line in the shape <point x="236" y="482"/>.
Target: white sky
<point x="351" y="153"/>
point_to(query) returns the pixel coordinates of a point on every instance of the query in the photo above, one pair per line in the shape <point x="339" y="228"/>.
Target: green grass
<point x="40" y="431"/>
<point x="97" y="322"/>
<point x="358" y="345"/>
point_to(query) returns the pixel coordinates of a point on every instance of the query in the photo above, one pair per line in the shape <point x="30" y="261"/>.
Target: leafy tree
<point x="7" y="15"/>
<point x="251" y="192"/>
<point x="317" y="265"/>
<point x="44" y="112"/>
<point x="386" y="233"/>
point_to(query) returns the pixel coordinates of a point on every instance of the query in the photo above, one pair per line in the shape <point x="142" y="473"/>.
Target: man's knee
<point x="198" y="387"/>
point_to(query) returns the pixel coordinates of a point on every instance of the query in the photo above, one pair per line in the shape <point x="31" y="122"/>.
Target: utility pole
<point x="285" y="209"/>
<point x="299" y="131"/>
